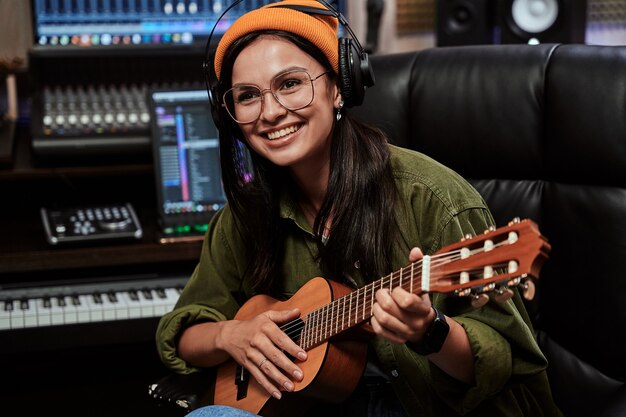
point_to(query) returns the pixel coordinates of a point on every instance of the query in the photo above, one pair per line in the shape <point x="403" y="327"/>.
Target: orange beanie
<point x="318" y="29"/>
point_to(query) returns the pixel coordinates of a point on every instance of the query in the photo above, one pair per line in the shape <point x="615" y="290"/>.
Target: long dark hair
<point x="360" y="198"/>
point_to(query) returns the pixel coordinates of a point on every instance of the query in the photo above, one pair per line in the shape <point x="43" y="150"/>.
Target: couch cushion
<point x="541" y="133"/>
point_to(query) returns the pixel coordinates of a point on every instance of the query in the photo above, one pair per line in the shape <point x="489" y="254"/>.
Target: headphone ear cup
<point x="354" y="74"/>
<point x="345" y="72"/>
<point x="215" y="106"/>
<point x="211" y="87"/>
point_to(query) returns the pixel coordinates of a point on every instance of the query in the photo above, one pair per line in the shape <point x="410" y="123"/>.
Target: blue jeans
<point x="219" y="411"/>
<point x="374" y="400"/>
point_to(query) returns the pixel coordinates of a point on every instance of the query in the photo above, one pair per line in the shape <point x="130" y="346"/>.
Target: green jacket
<point x="441" y="208"/>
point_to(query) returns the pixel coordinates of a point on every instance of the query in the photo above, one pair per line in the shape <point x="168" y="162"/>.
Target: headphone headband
<point x="355" y="73"/>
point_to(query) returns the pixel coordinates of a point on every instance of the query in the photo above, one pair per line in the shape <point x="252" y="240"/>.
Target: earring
<point x="339" y="110"/>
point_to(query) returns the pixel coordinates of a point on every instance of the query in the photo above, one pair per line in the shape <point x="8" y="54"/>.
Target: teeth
<point x="282" y="132"/>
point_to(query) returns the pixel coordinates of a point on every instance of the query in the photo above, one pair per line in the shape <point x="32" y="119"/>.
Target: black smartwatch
<point x="434" y="337"/>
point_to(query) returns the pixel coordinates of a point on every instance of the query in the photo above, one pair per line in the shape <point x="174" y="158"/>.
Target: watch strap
<point x="435" y="336"/>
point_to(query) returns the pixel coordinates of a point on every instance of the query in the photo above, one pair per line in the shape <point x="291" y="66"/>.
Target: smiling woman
<point x="293" y="124"/>
<point x="319" y="194"/>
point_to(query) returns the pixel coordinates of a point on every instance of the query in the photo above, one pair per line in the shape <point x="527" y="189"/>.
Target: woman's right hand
<point x="264" y="349"/>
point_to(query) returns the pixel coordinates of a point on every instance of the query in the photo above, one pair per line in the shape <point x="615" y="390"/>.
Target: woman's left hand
<point x="400" y="316"/>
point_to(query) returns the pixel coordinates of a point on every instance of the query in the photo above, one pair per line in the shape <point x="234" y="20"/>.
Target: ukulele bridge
<point x="242" y="378"/>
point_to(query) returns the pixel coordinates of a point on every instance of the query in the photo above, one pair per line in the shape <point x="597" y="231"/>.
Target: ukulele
<point x="332" y="314"/>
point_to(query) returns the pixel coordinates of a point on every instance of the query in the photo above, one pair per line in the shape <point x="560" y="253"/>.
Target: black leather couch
<point x="540" y="131"/>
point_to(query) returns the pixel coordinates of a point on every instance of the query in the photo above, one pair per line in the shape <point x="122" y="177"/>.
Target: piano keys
<point x="56" y="316"/>
<point x="87" y="303"/>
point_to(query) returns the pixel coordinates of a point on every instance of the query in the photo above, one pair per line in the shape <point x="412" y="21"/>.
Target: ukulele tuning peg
<point x="466" y="237"/>
<point x="528" y="289"/>
<point x="479" y="300"/>
<point x="503" y="294"/>
<point x="463" y="293"/>
<point x="514" y="282"/>
<point x="490" y="229"/>
<point x="515" y="220"/>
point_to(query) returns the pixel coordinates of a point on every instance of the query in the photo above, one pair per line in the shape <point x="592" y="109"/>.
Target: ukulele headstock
<point x="492" y="263"/>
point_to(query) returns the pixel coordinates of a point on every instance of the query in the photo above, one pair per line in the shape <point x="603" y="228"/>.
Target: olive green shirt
<point x="440" y="208"/>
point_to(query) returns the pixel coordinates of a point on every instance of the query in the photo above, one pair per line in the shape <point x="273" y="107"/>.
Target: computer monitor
<point x="186" y="162"/>
<point x="92" y="24"/>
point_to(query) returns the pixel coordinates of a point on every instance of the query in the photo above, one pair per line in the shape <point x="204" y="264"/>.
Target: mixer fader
<point x="94" y="110"/>
<point x="93" y="120"/>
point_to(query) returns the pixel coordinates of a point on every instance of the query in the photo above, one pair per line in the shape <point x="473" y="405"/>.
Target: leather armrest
<point x="579" y="389"/>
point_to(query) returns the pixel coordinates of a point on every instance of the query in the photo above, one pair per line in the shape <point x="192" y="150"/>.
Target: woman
<point x="325" y="195"/>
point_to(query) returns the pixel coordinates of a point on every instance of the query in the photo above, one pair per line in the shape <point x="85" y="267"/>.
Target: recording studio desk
<point x="79" y="357"/>
<point x="25" y="187"/>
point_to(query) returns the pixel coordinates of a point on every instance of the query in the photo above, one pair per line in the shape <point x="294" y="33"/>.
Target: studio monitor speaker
<point x="541" y="21"/>
<point x="464" y="22"/>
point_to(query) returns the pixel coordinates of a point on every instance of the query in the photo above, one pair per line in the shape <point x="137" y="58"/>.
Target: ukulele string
<point x="322" y="330"/>
<point x="294" y="328"/>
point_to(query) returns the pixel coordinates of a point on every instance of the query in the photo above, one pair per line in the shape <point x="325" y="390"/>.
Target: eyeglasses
<point x="292" y="89"/>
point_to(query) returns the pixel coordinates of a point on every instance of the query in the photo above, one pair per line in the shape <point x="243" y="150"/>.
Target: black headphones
<point x="355" y="72"/>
